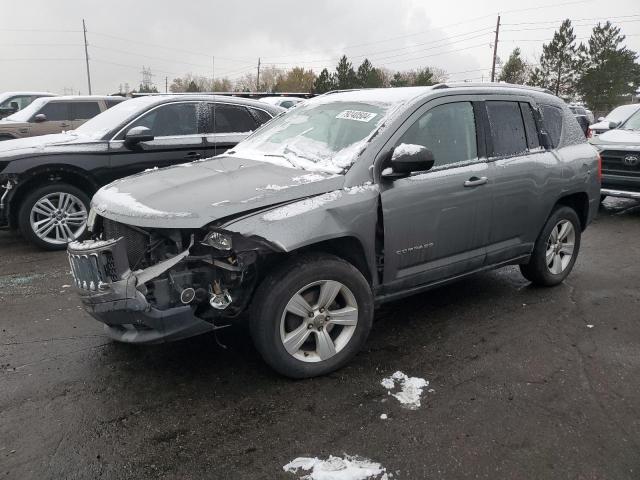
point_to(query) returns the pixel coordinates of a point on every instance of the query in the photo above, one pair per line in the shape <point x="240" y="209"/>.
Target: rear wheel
<point x="311" y="316"/>
<point x="54" y="215"/>
<point x="556" y="249"/>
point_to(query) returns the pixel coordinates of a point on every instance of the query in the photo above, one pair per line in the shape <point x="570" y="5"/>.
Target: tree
<point x="424" y="78"/>
<point x="345" y="74"/>
<point x="368" y="76"/>
<point x="295" y="80"/>
<point x="515" y="70"/>
<point x="324" y="83"/>
<point x="610" y="70"/>
<point x="559" y="62"/>
<point x="192" y="87"/>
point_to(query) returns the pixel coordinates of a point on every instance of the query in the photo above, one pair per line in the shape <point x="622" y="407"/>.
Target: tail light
<point x="599" y="168"/>
<point x="589" y="133"/>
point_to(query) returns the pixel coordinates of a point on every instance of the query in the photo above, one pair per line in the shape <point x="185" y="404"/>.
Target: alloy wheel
<point x="58" y="218"/>
<point x="560" y="246"/>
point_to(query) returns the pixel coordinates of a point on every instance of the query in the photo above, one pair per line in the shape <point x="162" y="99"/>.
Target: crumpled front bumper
<point x="113" y="294"/>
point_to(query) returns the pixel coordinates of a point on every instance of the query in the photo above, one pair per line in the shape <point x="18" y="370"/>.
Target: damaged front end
<point x="155" y="285"/>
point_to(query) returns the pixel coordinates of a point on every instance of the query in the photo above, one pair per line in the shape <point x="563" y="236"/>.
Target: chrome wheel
<point x="58" y="218"/>
<point x="318" y="321"/>
<point x="560" y="247"/>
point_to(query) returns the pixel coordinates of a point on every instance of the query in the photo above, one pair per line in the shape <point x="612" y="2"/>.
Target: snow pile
<point x="110" y="199"/>
<point x="303" y="206"/>
<point x="406" y="149"/>
<point x="361" y="188"/>
<point x="336" y="468"/>
<point x="410" y="389"/>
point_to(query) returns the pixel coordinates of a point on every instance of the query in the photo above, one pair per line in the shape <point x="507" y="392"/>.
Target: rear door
<point x="436" y="223"/>
<point x="520" y="168"/>
<point x="58" y="118"/>
<point x="178" y="139"/>
<point x="227" y="125"/>
<point x="83" y="111"/>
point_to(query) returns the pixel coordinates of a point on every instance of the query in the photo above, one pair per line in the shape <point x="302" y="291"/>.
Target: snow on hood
<point x="619" y="137"/>
<point x="38" y="144"/>
<point x="179" y="197"/>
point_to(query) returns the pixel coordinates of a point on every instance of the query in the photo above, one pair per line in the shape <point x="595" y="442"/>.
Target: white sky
<point x="41" y="44"/>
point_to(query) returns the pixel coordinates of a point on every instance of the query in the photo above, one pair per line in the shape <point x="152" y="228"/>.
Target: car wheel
<point x="556" y="249"/>
<point x="54" y="215"/>
<point x="311" y="316"/>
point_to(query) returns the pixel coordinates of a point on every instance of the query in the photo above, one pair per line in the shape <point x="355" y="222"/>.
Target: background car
<point x="46" y="182"/>
<point x="614" y="118"/>
<point x="284" y="102"/>
<point x="11" y="102"/>
<point x="582" y="117"/>
<point x="54" y="115"/>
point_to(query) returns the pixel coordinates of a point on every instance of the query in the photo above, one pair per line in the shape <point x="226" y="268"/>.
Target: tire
<point x="546" y="271"/>
<point x="307" y="276"/>
<point x="602" y="197"/>
<point x="36" y="212"/>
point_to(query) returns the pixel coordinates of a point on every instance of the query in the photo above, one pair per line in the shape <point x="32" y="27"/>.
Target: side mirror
<point x="408" y="158"/>
<point x="39" y="118"/>
<point x="137" y="135"/>
<point x="613" y="125"/>
<point x="601" y="119"/>
<point x="15" y="106"/>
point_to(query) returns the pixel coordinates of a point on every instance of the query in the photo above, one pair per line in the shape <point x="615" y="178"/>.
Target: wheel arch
<point x="579" y="202"/>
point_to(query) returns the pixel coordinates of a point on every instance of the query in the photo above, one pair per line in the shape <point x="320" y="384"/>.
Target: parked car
<point x="581" y="116"/>
<point x="352" y="199"/>
<point x="284" y="102"/>
<point x="54" y="115"/>
<point x="620" y="152"/>
<point x="11" y="102"/>
<point x="617" y="116"/>
<point x="46" y="182"/>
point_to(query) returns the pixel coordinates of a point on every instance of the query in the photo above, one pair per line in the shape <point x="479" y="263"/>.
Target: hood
<point x="194" y="194"/>
<point x="619" y="137"/>
<point x="55" y="143"/>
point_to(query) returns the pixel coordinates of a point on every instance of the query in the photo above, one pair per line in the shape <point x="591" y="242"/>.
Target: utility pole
<point x="86" y="54"/>
<point x="258" y="78"/>
<point x="495" y="51"/>
<point x="166" y="84"/>
<point x="213" y="74"/>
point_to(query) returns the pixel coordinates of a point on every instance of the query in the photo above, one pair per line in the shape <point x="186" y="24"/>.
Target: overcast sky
<point x="41" y="43"/>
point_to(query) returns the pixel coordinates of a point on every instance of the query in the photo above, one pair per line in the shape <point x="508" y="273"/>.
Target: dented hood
<point x="193" y="195"/>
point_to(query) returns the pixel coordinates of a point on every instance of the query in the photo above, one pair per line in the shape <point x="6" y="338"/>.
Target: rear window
<point x="231" y="119"/>
<point x="529" y="125"/>
<point x="260" y="115"/>
<point x="84" y="110"/>
<point x="552" y="118"/>
<point x="110" y="103"/>
<point x="507" y="128"/>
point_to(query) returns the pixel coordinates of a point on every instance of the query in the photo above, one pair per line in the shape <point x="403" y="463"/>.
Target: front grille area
<point x="95" y="264"/>
<point x="136" y="242"/>
<point x="613" y="161"/>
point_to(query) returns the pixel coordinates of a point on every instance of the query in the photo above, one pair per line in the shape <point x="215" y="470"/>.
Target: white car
<point x="284" y="102"/>
<point x="615" y="118"/>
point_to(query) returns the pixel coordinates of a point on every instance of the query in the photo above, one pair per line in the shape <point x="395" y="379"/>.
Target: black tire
<point x="24" y="212"/>
<point x="537" y="271"/>
<point x="602" y="197"/>
<point x="273" y="295"/>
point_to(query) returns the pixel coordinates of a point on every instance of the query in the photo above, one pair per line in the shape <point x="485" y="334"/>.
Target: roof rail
<point x="496" y="85"/>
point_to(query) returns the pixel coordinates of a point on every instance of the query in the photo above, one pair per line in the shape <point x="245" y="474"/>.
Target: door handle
<point x="193" y="155"/>
<point x="64" y="124"/>
<point x="475" y="181"/>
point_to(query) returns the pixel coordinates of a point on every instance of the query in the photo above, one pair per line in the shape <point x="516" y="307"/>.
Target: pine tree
<point x="324" y="83"/>
<point x="610" y="70"/>
<point x="368" y="76"/>
<point x="424" y="78"/>
<point x="515" y="70"/>
<point x="192" y="87"/>
<point x="559" y="62"/>
<point x="399" y="80"/>
<point x="345" y="74"/>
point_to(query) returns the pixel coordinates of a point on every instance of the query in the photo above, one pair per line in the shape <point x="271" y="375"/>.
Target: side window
<point x="231" y="119"/>
<point x="507" y="128"/>
<point x="55" y="111"/>
<point x="260" y="115"/>
<point x="552" y="118"/>
<point x="448" y="130"/>
<point x="172" y="119"/>
<point x="84" y="110"/>
<point x="287" y="104"/>
<point x="529" y="125"/>
<point x="110" y="103"/>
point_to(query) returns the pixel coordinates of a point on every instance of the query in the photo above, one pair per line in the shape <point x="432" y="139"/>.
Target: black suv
<point x="46" y="182"/>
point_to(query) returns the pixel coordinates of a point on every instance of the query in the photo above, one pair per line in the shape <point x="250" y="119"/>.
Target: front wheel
<point x="311" y="316"/>
<point x="53" y="215"/>
<point x="556" y="249"/>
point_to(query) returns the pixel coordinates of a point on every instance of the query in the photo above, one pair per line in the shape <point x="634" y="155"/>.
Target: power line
<point x="573" y="20"/>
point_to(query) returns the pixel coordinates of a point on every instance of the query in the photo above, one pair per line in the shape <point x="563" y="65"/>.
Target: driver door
<point x="58" y="119"/>
<point x="436" y="223"/>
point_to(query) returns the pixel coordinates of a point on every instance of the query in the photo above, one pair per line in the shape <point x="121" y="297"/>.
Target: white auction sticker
<point x="356" y="115"/>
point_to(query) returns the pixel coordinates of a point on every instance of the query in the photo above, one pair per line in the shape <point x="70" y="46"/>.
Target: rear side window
<point x="552" y="118"/>
<point x="231" y="119"/>
<point x="260" y="115"/>
<point x="84" y="110"/>
<point x="529" y="125"/>
<point x="55" y="111"/>
<point x="507" y="128"/>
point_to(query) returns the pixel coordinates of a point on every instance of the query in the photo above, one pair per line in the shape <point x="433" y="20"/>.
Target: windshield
<point x="620" y="114"/>
<point x="27" y="112"/>
<point x="633" y="123"/>
<point x="317" y="136"/>
<point x="114" y="117"/>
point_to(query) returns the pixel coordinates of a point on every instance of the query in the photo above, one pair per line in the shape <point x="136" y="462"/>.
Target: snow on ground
<point x="408" y="390"/>
<point x="336" y="468"/>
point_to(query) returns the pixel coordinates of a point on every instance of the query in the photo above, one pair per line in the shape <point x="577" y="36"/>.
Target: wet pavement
<point x="526" y="382"/>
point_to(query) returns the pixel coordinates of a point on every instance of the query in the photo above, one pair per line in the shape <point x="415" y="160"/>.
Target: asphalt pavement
<point x="524" y="382"/>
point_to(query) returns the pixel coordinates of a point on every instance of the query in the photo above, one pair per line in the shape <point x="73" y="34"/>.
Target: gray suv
<point x="352" y="199"/>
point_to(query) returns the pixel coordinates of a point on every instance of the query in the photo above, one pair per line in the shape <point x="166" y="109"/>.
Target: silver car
<point x="347" y="201"/>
